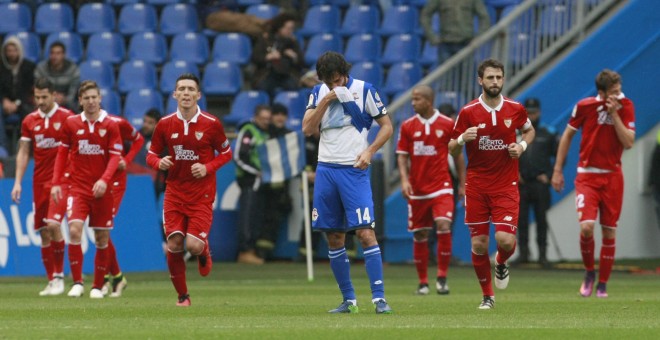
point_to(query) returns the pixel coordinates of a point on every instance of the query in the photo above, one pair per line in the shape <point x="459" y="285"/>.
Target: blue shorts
<point x="342" y="199"/>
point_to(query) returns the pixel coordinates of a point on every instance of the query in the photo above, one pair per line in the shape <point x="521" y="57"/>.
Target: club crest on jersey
<point x="507" y="122"/>
<point x="439" y="133"/>
<point x="102" y="132"/>
<point x="199" y="135"/>
<point x="57" y="126"/>
<point x="37" y="128"/>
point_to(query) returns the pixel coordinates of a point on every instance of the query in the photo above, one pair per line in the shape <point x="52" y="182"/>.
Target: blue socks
<point x="341" y="268"/>
<point x="374" y="265"/>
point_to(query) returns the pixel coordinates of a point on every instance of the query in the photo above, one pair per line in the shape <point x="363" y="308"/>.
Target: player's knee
<point x="101" y="238"/>
<point x="587" y="229"/>
<point x="367" y="238"/>
<point x="421" y="235"/>
<point x="609" y="232"/>
<point x="335" y="240"/>
<point x="45" y="236"/>
<point x="75" y="234"/>
<point x="195" y="248"/>
<point x="54" y="230"/>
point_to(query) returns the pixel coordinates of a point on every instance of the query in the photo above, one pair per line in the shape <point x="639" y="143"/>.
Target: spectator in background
<point x="16" y="80"/>
<point x="278" y="57"/>
<point x="276" y="195"/>
<point x="224" y="16"/>
<point x="655" y="178"/>
<point x="248" y="177"/>
<point x="457" y="28"/>
<point x="63" y="73"/>
<point x="139" y="165"/>
<point x="535" y="174"/>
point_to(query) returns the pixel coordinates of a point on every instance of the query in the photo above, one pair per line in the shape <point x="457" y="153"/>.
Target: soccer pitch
<point x="275" y="301"/>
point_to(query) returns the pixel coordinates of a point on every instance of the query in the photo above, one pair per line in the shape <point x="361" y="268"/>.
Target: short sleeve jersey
<point x="600" y="148"/>
<point x="341" y="139"/>
<point x="128" y="134"/>
<point x="189" y="142"/>
<point x="425" y="141"/>
<point x="490" y="168"/>
<point x="44" y="131"/>
<point x="90" y="145"/>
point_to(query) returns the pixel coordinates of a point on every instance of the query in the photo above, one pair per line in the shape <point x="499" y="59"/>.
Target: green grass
<point x="275" y="301"/>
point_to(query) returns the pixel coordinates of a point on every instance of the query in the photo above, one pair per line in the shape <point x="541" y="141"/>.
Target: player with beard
<point x="487" y="127"/>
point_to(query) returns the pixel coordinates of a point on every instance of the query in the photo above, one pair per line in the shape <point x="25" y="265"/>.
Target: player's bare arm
<point x="402" y="161"/>
<point x="99" y="188"/>
<point x="364" y="158"/>
<point x="459" y="160"/>
<point x="312" y="119"/>
<point x="516" y="149"/>
<point x="21" y="164"/>
<point x="625" y="135"/>
<point x="198" y="170"/>
<point x="165" y="163"/>
<point x="455" y="145"/>
<point x="557" y="180"/>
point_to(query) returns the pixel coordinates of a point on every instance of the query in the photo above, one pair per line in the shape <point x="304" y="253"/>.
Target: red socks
<point x="76" y="261"/>
<point x="47" y="259"/>
<point x="100" y="266"/>
<point x="58" y="256"/>
<point x="113" y="265"/>
<point x="503" y="255"/>
<point x="421" y="259"/>
<point x="444" y="252"/>
<point x="481" y="265"/>
<point x="606" y="259"/>
<point x="177" y="267"/>
<point x="587" y="249"/>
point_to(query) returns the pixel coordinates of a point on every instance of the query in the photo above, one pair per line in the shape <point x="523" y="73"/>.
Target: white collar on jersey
<point x="102" y="115"/>
<point x="431" y="120"/>
<point x="50" y="113"/>
<point x="490" y="109"/>
<point x="193" y="119"/>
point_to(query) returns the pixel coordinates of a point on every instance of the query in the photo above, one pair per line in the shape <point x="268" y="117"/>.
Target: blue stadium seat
<point x="455" y="98"/>
<point x="222" y="78"/>
<point x="522" y="47"/>
<point x="429" y="55"/>
<point x="172" y="70"/>
<point x="246" y="3"/>
<point x="320" y="44"/>
<point x="338" y="3"/>
<point x="242" y="108"/>
<point x="401" y="77"/>
<point x="401" y="47"/>
<point x="555" y="20"/>
<point x="502" y="3"/>
<point x="53" y="17"/>
<point x="363" y="47"/>
<point x="138" y="102"/>
<point x="369" y="72"/>
<point x="399" y="19"/>
<point x="136" y="74"/>
<point x="123" y="2"/>
<point x="108" y="47"/>
<point x="232" y="47"/>
<point x="172" y="104"/>
<point x="31" y="45"/>
<point x="15" y="17"/>
<point x="320" y="19"/>
<point x="360" y="19"/>
<point x="295" y="102"/>
<point x="191" y="46"/>
<point x="162" y="2"/>
<point x="102" y="73"/>
<point x="178" y="18"/>
<point x="148" y="46"/>
<point x="111" y="101"/>
<point x="72" y="42"/>
<point x="263" y="11"/>
<point x="95" y="18"/>
<point x="135" y="18"/>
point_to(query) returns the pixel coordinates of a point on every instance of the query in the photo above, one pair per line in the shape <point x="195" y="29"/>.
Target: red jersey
<point x="128" y="134"/>
<point x="600" y="148"/>
<point x="190" y="142"/>
<point x="426" y="144"/>
<point x="490" y="168"/>
<point x="44" y="131"/>
<point x="93" y="148"/>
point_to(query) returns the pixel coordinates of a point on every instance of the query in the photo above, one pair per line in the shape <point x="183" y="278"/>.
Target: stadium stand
<point x="100" y="72"/>
<point x="109" y="47"/>
<point x="171" y="71"/>
<point x="111" y="101"/>
<point x="242" y="108"/>
<point x="178" y="18"/>
<point x="138" y="102"/>
<point x="137" y="17"/>
<point x="95" y="18"/>
<point x="52" y="18"/>
<point x="72" y="42"/>
<point x="401" y="77"/>
<point x="368" y="71"/>
<point x="399" y="20"/>
<point x="15" y="17"/>
<point x="222" y="78"/>
<point x="320" y="19"/>
<point x="401" y="47"/>
<point x="360" y="19"/>
<point x="31" y="45"/>
<point x="363" y="47"/>
<point x="148" y="46"/>
<point x="232" y="47"/>
<point x="295" y="102"/>
<point x="190" y="46"/>
<point x="263" y="11"/>
<point x="320" y="44"/>
<point x="135" y="75"/>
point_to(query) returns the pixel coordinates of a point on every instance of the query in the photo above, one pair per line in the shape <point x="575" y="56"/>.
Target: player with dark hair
<point x="608" y="127"/>
<point x="43" y="129"/>
<point x="191" y="137"/>
<point x="343" y="109"/>
<point x="487" y="127"/>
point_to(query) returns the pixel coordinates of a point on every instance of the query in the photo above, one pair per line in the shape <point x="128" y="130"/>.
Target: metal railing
<point x="524" y="40"/>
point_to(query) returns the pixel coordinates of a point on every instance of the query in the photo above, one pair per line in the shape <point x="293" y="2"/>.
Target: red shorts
<point x="422" y="214"/>
<point x="41" y="199"/>
<point x="57" y="211"/>
<point x="118" y="191"/>
<point x="500" y="208"/>
<point x="192" y="219"/>
<point x="594" y="192"/>
<point x="100" y="210"/>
